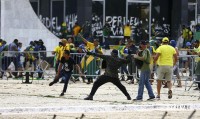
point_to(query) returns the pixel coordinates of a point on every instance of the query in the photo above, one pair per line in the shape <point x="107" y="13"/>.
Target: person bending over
<point x="111" y="73"/>
<point x="65" y="70"/>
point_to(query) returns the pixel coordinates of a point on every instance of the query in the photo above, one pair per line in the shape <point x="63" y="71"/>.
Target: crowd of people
<point x="22" y="60"/>
<point x="126" y="58"/>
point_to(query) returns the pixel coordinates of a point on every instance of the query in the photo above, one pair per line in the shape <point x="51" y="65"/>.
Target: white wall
<point x="18" y="20"/>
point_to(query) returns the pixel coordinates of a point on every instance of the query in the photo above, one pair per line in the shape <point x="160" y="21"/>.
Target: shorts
<point x="165" y="72"/>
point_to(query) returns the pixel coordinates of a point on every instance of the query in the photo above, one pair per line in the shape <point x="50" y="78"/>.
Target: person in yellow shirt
<point x="56" y="53"/>
<point x="167" y="59"/>
<point x="92" y="63"/>
<point x="76" y="31"/>
<point x="127" y="32"/>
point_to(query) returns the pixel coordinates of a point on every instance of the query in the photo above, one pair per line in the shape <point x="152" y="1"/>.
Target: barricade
<point x="42" y="64"/>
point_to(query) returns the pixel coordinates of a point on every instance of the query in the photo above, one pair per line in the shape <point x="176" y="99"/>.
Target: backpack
<point x="139" y="63"/>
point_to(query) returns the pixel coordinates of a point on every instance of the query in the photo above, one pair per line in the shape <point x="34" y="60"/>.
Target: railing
<point x="42" y="65"/>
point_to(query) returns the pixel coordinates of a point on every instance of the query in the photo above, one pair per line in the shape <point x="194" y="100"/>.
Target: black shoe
<point x="88" y="98"/>
<point x="128" y="97"/>
<point x="62" y="81"/>
<point x="151" y="99"/>
<point x="10" y="76"/>
<point x="50" y="84"/>
<point x="62" y="94"/>
<point x="170" y="94"/>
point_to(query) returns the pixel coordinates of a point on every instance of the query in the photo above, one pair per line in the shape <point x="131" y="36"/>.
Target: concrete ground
<point x="39" y="101"/>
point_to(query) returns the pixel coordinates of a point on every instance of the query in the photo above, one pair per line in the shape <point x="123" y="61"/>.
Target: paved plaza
<point x="38" y="100"/>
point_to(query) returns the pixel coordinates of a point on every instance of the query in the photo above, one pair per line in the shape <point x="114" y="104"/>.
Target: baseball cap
<point x="165" y="39"/>
<point x="188" y="44"/>
<point x="173" y="43"/>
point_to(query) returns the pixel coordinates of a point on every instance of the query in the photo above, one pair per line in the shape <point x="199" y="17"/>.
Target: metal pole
<point x="0" y="18"/>
<point x="38" y="9"/>
<point x="196" y="11"/>
<point x="126" y="11"/>
<point x="64" y="13"/>
<point x="150" y="20"/>
<point x="104" y="11"/>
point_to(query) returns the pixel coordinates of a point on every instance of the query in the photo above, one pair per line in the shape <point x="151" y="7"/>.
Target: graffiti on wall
<point x="116" y="23"/>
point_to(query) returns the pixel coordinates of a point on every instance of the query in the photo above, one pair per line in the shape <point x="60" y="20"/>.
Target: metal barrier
<point x="42" y="65"/>
<point x="35" y="63"/>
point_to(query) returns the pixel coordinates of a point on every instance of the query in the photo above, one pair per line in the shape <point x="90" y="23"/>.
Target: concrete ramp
<point x="18" y="20"/>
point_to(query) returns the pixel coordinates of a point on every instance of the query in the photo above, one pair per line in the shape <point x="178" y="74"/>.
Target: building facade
<point x="148" y="18"/>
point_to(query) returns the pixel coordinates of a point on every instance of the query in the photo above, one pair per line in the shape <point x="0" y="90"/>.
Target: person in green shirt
<point x="145" y="73"/>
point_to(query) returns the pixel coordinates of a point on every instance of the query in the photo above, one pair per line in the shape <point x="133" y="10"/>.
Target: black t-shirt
<point x="67" y="64"/>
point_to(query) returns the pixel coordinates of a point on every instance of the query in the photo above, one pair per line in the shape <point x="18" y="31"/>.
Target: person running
<point x="167" y="59"/>
<point x="65" y="70"/>
<point x="111" y="73"/>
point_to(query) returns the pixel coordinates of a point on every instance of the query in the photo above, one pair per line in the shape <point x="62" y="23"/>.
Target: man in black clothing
<point x="132" y="49"/>
<point x="111" y="73"/>
<point x="65" y="70"/>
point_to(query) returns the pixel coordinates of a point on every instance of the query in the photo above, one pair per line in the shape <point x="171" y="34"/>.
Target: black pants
<point x="6" y="61"/>
<point x="105" y="79"/>
<point x="198" y="79"/>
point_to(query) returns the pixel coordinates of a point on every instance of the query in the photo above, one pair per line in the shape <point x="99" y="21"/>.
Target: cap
<point x="165" y="39"/>
<point x="173" y="43"/>
<point x="188" y="44"/>
<point x="143" y="42"/>
<point x="64" y="41"/>
<point x="115" y="52"/>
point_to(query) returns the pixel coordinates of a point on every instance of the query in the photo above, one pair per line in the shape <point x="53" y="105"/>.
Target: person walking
<point x="111" y="73"/>
<point x="145" y="73"/>
<point x="65" y="70"/>
<point x="167" y="59"/>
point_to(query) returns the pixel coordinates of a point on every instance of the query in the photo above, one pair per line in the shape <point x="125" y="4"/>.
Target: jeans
<point x="124" y="69"/>
<point x="65" y="76"/>
<point x="144" y="80"/>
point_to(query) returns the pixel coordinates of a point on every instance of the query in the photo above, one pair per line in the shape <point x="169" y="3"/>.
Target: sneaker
<point x="170" y="94"/>
<point x="62" y="94"/>
<point x="158" y="97"/>
<point x="128" y="98"/>
<point x="137" y="100"/>
<point x="130" y="81"/>
<point x="151" y="99"/>
<point x="50" y="84"/>
<point x="88" y="98"/>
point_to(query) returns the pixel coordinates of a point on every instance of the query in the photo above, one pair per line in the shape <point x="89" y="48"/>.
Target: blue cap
<point x="188" y="44"/>
<point x="173" y="43"/>
<point x="126" y="51"/>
